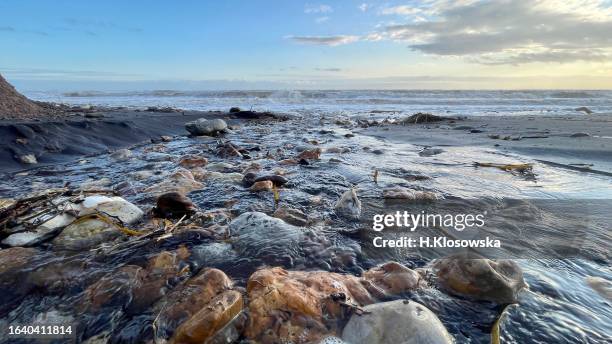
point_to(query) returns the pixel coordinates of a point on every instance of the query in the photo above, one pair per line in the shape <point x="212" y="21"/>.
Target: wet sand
<point x="54" y="140"/>
<point x="558" y="141"/>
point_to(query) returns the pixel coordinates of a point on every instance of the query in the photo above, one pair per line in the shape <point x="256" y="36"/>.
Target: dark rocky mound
<point x="15" y="105"/>
<point x="424" y="118"/>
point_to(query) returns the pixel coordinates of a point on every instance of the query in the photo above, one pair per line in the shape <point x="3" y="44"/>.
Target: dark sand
<point x="559" y="141"/>
<point x="54" y="140"/>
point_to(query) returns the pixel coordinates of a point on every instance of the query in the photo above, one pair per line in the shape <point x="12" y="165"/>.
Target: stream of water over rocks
<point x="558" y="306"/>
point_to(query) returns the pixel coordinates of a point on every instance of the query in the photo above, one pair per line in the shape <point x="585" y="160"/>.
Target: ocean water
<point x="527" y="102"/>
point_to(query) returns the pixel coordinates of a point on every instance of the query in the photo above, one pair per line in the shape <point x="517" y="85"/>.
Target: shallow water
<point x="558" y="306"/>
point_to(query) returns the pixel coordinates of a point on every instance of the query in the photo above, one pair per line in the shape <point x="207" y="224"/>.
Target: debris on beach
<point x="584" y="109"/>
<point x="423" y="118"/>
<point x="521" y="168"/>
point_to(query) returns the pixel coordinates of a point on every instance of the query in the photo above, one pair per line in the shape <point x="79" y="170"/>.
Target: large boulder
<point x="203" y="126"/>
<point x="400" y="321"/>
<point x="479" y="278"/>
<point x="306" y="306"/>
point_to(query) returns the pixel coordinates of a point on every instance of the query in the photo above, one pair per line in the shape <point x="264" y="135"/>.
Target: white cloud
<point x="511" y="32"/>
<point x="321" y="19"/>
<point x="318" y="9"/>
<point x="363" y="7"/>
<point x="401" y="10"/>
<point x="325" y="40"/>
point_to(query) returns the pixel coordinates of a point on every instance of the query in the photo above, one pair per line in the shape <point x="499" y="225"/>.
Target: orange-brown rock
<point x="394" y="278"/>
<point x="196" y="310"/>
<point x="310" y="154"/>
<point x="192" y="161"/>
<point x="303" y="307"/>
<point x="263" y="185"/>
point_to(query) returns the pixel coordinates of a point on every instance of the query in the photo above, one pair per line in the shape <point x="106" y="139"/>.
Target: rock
<point x="13" y="262"/>
<point x="249" y="179"/>
<point x="275" y="179"/>
<point x="601" y="285"/>
<point x="142" y="175"/>
<point x="181" y="181"/>
<point x="580" y="135"/>
<point x="299" y="307"/>
<point x="394" y="278"/>
<point x="85" y="234"/>
<point x="29" y="159"/>
<point x="292" y="216"/>
<point x="478" y="278"/>
<point x="408" y="194"/>
<point x="166" y="138"/>
<point x="228" y="149"/>
<point x="115" y="288"/>
<point x="310" y="154"/>
<point x="423" y="118"/>
<point x="115" y="207"/>
<point x="174" y="205"/>
<point x="219" y="167"/>
<point x="40" y="233"/>
<point x="199" y="308"/>
<point x="192" y="161"/>
<point x="584" y="109"/>
<point x="95" y="184"/>
<point x="258" y="235"/>
<point x="400" y="321"/>
<point x="234" y="109"/>
<point x="203" y="126"/>
<point x="21" y="141"/>
<point x="349" y="205"/>
<point x="430" y="151"/>
<point x="264" y="185"/>
<point x="121" y="154"/>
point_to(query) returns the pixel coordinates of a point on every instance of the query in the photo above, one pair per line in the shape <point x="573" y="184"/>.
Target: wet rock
<point x="310" y="154"/>
<point x="303" y="162"/>
<point x="249" y="179"/>
<point x="116" y="288"/>
<point x="95" y="184"/>
<point x="292" y="216"/>
<point x="142" y="175"/>
<point x="264" y="185"/>
<point x="580" y="135"/>
<point x="115" y="207"/>
<point x="192" y="161"/>
<point x="40" y="233"/>
<point x="85" y="234"/>
<point x="234" y="109"/>
<point x="378" y="152"/>
<point x="299" y="307"/>
<point x="166" y="138"/>
<point x="601" y="285"/>
<point x="12" y="287"/>
<point x="430" y="151"/>
<point x="337" y="150"/>
<point x="228" y="150"/>
<point x="174" y="205"/>
<point x="203" y="126"/>
<point x="258" y="235"/>
<point x="275" y="179"/>
<point x="409" y="194"/>
<point x="478" y="278"/>
<point x="223" y="177"/>
<point x="219" y="167"/>
<point x="29" y="159"/>
<point x="400" y="321"/>
<point x="393" y="278"/>
<point x="181" y="181"/>
<point x="121" y="154"/>
<point x="584" y="109"/>
<point x="199" y="308"/>
<point x="349" y="205"/>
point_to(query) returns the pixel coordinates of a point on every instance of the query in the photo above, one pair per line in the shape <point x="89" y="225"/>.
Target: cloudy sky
<point x="461" y="44"/>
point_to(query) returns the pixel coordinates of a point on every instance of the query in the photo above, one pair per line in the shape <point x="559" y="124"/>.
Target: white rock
<point x="349" y="205"/>
<point x="40" y="233"/>
<point x="115" y="207"/>
<point x="205" y="127"/>
<point x="28" y="159"/>
<point x="400" y="321"/>
<point x="218" y="166"/>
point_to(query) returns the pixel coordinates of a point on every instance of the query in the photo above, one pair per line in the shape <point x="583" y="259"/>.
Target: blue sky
<point x="295" y="44"/>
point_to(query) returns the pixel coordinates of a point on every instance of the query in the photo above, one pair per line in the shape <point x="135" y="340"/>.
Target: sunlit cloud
<point x="318" y="9"/>
<point x="324" y="40"/>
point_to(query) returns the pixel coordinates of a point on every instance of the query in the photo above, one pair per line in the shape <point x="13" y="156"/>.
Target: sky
<point x="256" y="44"/>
